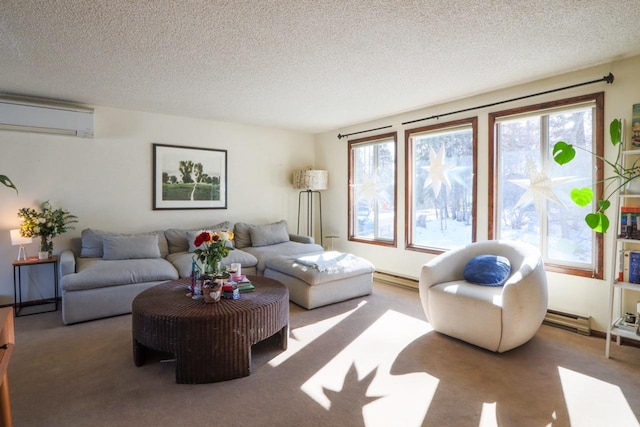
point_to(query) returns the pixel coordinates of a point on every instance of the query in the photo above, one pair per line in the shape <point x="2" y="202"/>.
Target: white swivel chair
<point x="497" y="318"/>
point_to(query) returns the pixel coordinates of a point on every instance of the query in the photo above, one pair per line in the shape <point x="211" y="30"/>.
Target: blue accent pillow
<point x="487" y="270"/>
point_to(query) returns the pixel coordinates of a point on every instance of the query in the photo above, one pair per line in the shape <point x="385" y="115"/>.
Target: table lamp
<point x="18" y="240"/>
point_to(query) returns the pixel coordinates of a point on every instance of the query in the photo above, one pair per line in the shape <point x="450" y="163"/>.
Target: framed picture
<point x="189" y="177"/>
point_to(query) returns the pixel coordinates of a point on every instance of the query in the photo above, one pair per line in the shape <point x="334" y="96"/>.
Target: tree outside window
<point x="441" y="181"/>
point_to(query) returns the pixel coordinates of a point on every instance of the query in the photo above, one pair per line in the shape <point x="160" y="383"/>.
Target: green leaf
<point x="563" y="153"/>
<point x="582" y="196"/>
<point x="598" y="222"/>
<point x="604" y="205"/>
<point x="615" y="130"/>
<point x="7" y="182"/>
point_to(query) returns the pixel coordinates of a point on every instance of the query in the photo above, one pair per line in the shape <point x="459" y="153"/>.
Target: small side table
<point x="18" y="304"/>
<point x="331" y="239"/>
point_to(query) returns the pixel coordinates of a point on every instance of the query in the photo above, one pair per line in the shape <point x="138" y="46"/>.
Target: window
<point x="531" y="201"/>
<point x="372" y="189"/>
<point x="441" y="185"/>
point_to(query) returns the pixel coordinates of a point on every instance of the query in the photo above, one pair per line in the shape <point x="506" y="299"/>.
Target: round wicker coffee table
<point x="211" y="342"/>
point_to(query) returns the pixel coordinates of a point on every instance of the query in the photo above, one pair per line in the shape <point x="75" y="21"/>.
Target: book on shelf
<point x="630" y="266"/>
<point x="635" y="127"/>
<point x="629" y="222"/>
<point x="634" y="267"/>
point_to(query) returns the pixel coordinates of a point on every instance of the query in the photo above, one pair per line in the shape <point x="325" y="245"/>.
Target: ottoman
<point x="322" y="278"/>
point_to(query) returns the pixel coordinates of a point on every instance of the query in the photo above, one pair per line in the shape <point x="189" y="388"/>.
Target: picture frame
<point x="189" y="177"/>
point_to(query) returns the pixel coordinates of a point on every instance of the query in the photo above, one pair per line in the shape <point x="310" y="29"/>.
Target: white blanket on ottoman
<point x="323" y="278"/>
<point x="329" y="261"/>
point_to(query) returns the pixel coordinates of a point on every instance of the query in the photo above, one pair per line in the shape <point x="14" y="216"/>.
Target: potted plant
<point x="564" y="153"/>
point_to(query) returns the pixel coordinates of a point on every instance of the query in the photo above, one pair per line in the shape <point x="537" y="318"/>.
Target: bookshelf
<point x="624" y="293"/>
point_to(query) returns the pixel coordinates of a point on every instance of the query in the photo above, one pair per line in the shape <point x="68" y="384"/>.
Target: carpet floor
<point x="371" y="361"/>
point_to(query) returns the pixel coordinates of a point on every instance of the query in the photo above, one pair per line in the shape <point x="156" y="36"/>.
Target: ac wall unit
<point x="44" y="116"/>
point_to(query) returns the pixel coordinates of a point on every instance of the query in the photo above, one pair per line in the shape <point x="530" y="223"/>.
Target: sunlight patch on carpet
<point x="592" y="402"/>
<point x="488" y="417"/>
<point x="367" y="362"/>
<point x="301" y="337"/>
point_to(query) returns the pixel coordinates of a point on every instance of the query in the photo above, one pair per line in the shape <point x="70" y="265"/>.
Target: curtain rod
<point x="609" y="79"/>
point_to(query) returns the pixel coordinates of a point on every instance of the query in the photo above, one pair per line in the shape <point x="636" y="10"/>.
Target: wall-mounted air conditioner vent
<point x="32" y="115"/>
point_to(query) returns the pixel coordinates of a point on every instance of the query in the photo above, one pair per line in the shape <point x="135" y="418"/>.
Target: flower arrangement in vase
<point x="211" y="247"/>
<point x="46" y="224"/>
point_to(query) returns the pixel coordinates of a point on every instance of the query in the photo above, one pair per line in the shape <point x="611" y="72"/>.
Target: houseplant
<point x="46" y="224"/>
<point x="621" y="177"/>
<point x="7" y="182"/>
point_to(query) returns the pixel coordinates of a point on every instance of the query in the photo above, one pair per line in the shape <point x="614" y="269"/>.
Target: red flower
<point x="202" y="237"/>
<point x="216" y="237"/>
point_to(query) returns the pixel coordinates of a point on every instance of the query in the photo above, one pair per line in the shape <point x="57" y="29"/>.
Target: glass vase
<point x="46" y="247"/>
<point x="213" y="269"/>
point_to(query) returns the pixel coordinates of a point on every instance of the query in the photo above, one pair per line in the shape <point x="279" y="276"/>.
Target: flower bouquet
<point x="46" y="224"/>
<point x="211" y="247"/>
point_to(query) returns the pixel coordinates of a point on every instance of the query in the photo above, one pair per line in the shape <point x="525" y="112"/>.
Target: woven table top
<point x="169" y="300"/>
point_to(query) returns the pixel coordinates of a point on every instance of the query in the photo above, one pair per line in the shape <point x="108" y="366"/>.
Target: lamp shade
<point x="17" y="239"/>
<point x="310" y="179"/>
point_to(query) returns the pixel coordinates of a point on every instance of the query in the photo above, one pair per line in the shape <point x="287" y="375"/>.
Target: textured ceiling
<point x="307" y="65"/>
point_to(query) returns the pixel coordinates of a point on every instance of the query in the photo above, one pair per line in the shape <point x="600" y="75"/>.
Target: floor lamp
<point x="310" y="182"/>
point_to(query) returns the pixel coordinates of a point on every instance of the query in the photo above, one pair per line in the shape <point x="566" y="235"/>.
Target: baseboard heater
<point x="395" y="279"/>
<point x="571" y="322"/>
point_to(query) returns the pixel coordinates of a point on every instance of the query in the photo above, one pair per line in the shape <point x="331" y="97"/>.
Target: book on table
<point x="246" y="287"/>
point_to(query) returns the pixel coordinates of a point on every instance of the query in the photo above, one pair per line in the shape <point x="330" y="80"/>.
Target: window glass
<point x="440" y="175"/>
<point x="372" y="189"/>
<point x="533" y="192"/>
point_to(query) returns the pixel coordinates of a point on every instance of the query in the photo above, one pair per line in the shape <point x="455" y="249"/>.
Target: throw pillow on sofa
<point x="242" y="235"/>
<point x="130" y="247"/>
<point x="93" y="242"/>
<point x="264" y="233"/>
<point x="267" y="235"/>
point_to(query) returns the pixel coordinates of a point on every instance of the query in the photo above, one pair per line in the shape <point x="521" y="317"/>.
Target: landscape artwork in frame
<point x="189" y="177"/>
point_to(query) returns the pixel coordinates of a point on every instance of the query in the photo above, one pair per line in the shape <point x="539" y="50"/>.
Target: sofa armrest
<point x="67" y="262"/>
<point x="301" y="239"/>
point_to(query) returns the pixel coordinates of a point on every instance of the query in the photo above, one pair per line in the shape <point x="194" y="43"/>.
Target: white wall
<point x="567" y="293"/>
<point x="106" y="181"/>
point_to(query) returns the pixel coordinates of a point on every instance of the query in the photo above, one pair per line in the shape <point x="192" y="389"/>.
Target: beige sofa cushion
<point x="93" y="242"/>
<point x="99" y="273"/>
<point x="243" y="232"/>
<point x="271" y="234"/>
<point x="131" y="247"/>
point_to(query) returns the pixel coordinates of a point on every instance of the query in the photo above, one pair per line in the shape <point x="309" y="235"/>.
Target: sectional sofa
<point x="111" y="268"/>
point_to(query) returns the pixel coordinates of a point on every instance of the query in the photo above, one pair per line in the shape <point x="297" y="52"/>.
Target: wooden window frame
<point x="350" y="197"/>
<point x="473" y="122"/>
<point x="598" y="99"/>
